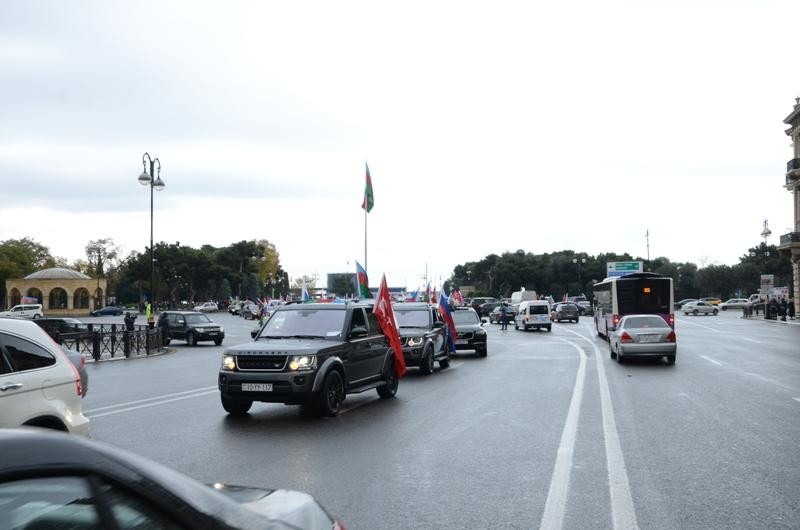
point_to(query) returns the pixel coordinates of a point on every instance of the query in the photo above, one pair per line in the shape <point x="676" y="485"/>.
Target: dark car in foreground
<point x="108" y="311"/>
<point x="566" y="311"/>
<point x="643" y="336"/>
<point x="191" y="326"/>
<point x="422" y="336"/>
<point x="311" y="355"/>
<point x="54" y="480"/>
<point x="471" y="335"/>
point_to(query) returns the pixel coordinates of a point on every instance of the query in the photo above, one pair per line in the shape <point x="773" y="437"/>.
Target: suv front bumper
<point x="291" y="388"/>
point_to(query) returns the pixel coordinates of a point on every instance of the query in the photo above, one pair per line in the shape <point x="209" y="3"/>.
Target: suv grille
<point x="261" y="362"/>
<point x="466" y="335"/>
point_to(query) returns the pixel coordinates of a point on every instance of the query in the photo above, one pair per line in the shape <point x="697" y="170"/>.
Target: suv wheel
<point x="190" y="339"/>
<point x="481" y="351"/>
<point x="390" y="388"/>
<point x="329" y="400"/>
<point x="426" y="367"/>
<point x="715" y="312"/>
<point x="444" y="363"/>
<point x="236" y="407"/>
<point x="217" y="341"/>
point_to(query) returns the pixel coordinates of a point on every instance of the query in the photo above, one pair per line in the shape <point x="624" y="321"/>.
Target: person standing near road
<point x="151" y="319"/>
<point x="503" y="317"/>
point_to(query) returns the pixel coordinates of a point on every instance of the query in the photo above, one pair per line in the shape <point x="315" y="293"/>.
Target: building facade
<point x="790" y="243"/>
<point x="62" y="292"/>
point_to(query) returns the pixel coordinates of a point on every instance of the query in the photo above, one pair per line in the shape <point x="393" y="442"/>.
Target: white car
<point x="24" y="311"/>
<point x="207" y="307"/>
<point x="699" y="307"/>
<point x="734" y="303"/>
<point x="39" y="385"/>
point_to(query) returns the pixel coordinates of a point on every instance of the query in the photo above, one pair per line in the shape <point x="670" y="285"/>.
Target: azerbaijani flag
<point x="444" y="310"/>
<point x="363" y="281"/>
<point x="369" y="199"/>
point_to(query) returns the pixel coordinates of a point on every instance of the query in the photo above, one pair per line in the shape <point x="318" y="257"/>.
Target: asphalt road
<point x="545" y="432"/>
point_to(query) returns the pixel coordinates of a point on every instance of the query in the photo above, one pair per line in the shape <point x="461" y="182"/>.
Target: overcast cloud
<point x="583" y="123"/>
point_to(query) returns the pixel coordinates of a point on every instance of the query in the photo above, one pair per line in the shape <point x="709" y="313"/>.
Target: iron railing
<point x="112" y="340"/>
<point x="788" y="239"/>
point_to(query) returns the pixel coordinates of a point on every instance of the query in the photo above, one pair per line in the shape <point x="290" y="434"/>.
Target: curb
<point x="770" y="321"/>
<point x="122" y="357"/>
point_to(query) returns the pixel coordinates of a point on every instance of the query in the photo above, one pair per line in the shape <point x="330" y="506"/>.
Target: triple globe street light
<point x="152" y="179"/>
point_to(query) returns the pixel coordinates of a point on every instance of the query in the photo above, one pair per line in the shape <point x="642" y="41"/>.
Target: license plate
<point x="648" y="338"/>
<point x="256" y="387"/>
<point x="213" y="333"/>
<point x="462" y="341"/>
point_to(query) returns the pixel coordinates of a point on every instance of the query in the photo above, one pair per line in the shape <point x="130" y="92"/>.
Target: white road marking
<point x="153" y="404"/>
<point x="556" y="504"/>
<point x="771" y="381"/>
<point x="149" y="399"/>
<point x="709" y="359"/>
<point x="623" y="513"/>
<point x="748" y="339"/>
<point x="796" y="399"/>
<point x="686" y="321"/>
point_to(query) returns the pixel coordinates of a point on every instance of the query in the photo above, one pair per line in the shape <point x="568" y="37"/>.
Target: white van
<point x="521" y="296"/>
<point x="533" y="314"/>
<point x="33" y="311"/>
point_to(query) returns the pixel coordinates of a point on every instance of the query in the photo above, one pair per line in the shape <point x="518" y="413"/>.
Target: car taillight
<point x="672" y="320"/>
<point x="625" y="337"/>
<point x="671" y="337"/>
<point x="615" y="320"/>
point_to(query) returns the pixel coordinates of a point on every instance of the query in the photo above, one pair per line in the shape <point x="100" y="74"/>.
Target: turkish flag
<point x="385" y="314"/>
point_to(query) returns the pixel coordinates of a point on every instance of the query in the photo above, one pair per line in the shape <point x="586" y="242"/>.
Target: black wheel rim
<point x="335" y="391"/>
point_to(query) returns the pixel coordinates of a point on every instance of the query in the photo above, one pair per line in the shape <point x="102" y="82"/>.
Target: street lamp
<point x="579" y="262"/>
<point x="153" y="180"/>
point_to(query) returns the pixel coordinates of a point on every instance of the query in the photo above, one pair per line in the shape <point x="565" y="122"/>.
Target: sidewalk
<point x="793" y="322"/>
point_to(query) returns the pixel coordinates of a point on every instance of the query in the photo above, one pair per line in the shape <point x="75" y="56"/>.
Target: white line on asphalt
<point x="686" y="321"/>
<point x="556" y="504"/>
<point x="796" y="399"/>
<point x="709" y="359"/>
<point x="148" y="399"/>
<point x="155" y="403"/>
<point x="623" y="514"/>
<point x="748" y="339"/>
<point x="771" y="381"/>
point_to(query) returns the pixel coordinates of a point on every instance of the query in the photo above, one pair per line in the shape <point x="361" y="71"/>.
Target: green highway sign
<point x="621" y="268"/>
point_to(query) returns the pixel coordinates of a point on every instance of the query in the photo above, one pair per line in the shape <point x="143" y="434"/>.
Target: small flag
<point x="363" y="282"/>
<point x="383" y="311"/>
<point x="369" y="199"/>
<point x="444" y="310"/>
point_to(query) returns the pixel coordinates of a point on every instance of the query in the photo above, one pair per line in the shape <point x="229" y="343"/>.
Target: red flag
<point x="383" y="311"/>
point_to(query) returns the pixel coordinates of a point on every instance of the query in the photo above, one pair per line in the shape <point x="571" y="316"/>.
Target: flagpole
<point x="366" y="267"/>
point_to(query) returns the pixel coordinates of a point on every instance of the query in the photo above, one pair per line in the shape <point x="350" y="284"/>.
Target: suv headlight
<point x="415" y="341"/>
<point x="228" y="362"/>
<point x="303" y="362"/>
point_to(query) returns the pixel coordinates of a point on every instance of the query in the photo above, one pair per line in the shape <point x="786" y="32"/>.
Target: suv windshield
<point x="305" y="323"/>
<point x="465" y="317"/>
<point x="413" y="318"/>
<point x="197" y="319"/>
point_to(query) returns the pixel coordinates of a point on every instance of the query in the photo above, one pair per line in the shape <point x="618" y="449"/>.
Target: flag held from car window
<point x="363" y="282"/>
<point x="383" y="311"/>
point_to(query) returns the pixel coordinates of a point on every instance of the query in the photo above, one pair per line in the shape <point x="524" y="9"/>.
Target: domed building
<point x="61" y="291"/>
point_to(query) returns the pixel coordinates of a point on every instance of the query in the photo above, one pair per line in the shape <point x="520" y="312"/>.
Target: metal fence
<point x="112" y="340"/>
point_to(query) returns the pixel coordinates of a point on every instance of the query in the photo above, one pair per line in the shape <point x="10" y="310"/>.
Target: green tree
<point x="100" y="253"/>
<point x="252" y="286"/>
<point x="224" y="289"/>
<point x="20" y="257"/>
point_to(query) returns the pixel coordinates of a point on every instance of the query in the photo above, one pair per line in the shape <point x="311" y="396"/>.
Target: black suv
<point x="422" y="335"/>
<point x="191" y="326"/>
<point x="311" y="355"/>
<point x="469" y="326"/>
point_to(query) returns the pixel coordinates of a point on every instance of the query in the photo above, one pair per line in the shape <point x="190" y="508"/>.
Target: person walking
<point x="790" y="309"/>
<point x="503" y="317"/>
<point x="151" y="319"/>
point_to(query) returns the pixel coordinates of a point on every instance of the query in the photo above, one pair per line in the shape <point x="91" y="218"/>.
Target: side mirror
<point x="483" y="321"/>
<point x="253" y="333"/>
<point x="358" y="331"/>
<point x="438" y="324"/>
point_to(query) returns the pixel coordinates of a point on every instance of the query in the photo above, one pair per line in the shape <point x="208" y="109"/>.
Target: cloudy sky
<point x="488" y="127"/>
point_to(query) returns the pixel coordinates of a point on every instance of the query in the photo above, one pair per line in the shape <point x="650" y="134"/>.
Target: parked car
<point x="24" y="311"/>
<point x="534" y="314"/>
<point x="108" y="311"/>
<point x="566" y="311"/>
<point x="696" y="308"/>
<point x="191" y="326"/>
<point x="643" y="336"/>
<point x="679" y="304"/>
<point x="39" y="385"/>
<point x="53" y="480"/>
<point x="250" y="311"/>
<point x="471" y="335"/>
<point x="235" y="307"/>
<point x="477" y="302"/>
<point x="487" y="308"/>
<point x="207" y="307"/>
<point x="494" y="316"/>
<point x="711" y="300"/>
<point x="55" y="326"/>
<point x="734" y="303"/>
<point x="311" y="355"/>
<point x="422" y="336"/>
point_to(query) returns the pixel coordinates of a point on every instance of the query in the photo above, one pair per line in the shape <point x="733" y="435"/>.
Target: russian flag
<point x="447" y="316"/>
<point x="304" y="296"/>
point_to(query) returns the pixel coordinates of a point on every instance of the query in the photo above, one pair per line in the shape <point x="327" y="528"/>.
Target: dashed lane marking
<point x="709" y="359"/>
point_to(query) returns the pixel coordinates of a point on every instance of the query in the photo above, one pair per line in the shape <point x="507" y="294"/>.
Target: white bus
<point x="644" y="293"/>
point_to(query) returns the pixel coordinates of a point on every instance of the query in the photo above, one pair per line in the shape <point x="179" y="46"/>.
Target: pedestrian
<point x="151" y="319"/>
<point x="791" y="308"/>
<point x="784" y="309"/>
<point x="503" y="316"/>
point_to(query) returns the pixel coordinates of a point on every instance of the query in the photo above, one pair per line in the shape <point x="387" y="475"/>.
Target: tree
<point x="224" y="289"/>
<point x="310" y="282"/>
<point x="252" y="286"/>
<point x="269" y="262"/>
<point x="100" y="252"/>
<point x="20" y="257"/>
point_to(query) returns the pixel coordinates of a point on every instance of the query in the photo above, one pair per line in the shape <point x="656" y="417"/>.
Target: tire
<point x="620" y="359"/>
<point x="715" y="312"/>
<point x="234" y="406"/>
<point x="166" y="342"/>
<point x="482" y="352"/>
<point x="35" y="317"/>
<point x="724" y="308"/>
<point x="426" y="366"/>
<point x="392" y="381"/>
<point x="444" y="363"/>
<point x="524" y="328"/>
<point x="330" y="398"/>
<point x="670" y="360"/>
<point x="218" y="341"/>
<point x="577" y="319"/>
<point x="694" y="312"/>
<point x="549" y="327"/>
<point x="190" y="339"/>
<point x="516" y="326"/>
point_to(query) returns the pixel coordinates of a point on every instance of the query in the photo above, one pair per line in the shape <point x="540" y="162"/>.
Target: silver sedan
<point x="643" y="336"/>
<point x="696" y="308"/>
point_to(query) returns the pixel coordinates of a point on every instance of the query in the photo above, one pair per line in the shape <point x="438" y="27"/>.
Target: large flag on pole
<point x="447" y="316"/>
<point x="369" y="199"/>
<point x="385" y="314"/>
<point x="363" y="282"/>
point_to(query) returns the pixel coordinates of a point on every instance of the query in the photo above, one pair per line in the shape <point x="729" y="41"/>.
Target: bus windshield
<point x="644" y="296"/>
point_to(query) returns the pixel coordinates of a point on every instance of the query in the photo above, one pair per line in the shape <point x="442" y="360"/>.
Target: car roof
<point x="176" y="312"/>
<point x="25" y="328"/>
<point x="412" y="305"/>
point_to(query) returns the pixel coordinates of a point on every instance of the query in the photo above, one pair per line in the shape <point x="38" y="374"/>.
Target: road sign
<point x="622" y="268"/>
<point x="767" y="284"/>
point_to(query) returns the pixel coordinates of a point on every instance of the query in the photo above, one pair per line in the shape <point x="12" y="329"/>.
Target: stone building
<point x="62" y="292"/>
<point x="790" y="243"/>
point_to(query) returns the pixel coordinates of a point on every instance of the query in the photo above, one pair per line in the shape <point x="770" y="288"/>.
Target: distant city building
<point x="790" y="243"/>
<point x="61" y="291"/>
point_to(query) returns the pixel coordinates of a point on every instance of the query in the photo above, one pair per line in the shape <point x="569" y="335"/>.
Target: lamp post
<point x="579" y="262"/>
<point x="152" y="179"/>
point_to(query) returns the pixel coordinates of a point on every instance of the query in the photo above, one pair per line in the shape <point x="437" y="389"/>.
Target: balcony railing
<point x="792" y="171"/>
<point x="788" y="239"/>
